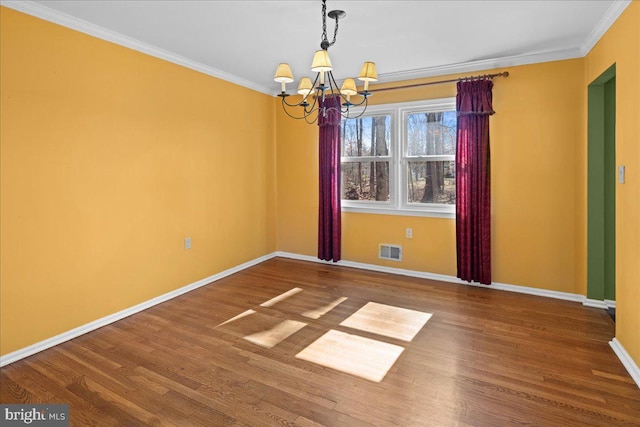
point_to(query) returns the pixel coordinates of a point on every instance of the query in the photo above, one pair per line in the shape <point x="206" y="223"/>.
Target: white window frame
<point x="398" y="163"/>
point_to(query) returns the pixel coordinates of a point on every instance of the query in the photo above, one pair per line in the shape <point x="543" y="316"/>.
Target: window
<point x="400" y="159"/>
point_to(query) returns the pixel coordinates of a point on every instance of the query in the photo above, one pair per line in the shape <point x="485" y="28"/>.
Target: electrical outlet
<point x="187" y="242"/>
<point x="409" y="233"/>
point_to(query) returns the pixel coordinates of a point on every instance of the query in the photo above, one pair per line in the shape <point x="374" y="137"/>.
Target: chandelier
<point x="324" y="85"/>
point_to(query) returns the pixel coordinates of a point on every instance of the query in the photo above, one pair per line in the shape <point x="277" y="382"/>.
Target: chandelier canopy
<point x="313" y="93"/>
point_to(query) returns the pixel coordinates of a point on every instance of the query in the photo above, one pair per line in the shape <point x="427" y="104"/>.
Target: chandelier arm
<point x="366" y="103"/>
<point x="284" y="107"/>
<point x="350" y="103"/>
<point x="334" y="87"/>
<point x="306" y="119"/>
<point x="364" y="99"/>
<point x="312" y="107"/>
<point x="284" y="102"/>
<point x="299" y="104"/>
<point x="307" y="111"/>
<point x="315" y="82"/>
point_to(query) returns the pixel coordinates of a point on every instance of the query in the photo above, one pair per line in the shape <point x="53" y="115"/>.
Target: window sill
<point x="433" y="213"/>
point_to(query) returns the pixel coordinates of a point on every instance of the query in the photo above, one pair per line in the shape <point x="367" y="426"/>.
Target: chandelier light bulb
<point x="368" y="74"/>
<point x="321" y="61"/>
<point x="305" y="87"/>
<point x="283" y="75"/>
<point x="349" y="88"/>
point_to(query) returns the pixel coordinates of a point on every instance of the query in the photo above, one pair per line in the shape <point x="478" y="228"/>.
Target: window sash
<point x="366" y="159"/>
<point x="438" y="158"/>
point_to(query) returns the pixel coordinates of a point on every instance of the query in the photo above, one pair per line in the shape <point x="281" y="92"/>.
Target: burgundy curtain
<point x="329" y="218"/>
<point x="473" y="174"/>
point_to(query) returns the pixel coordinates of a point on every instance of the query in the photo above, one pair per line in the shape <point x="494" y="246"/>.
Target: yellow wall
<point x="297" y="190"/>
<point x="621" y="45"/>
<point x="109" y="159"/>
<point x="537" y="139"/>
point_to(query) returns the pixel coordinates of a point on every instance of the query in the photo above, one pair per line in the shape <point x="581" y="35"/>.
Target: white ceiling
<point x="243" y="41"/>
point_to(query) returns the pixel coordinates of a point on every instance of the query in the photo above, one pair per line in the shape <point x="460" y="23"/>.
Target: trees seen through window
<point x="401" y="157"/>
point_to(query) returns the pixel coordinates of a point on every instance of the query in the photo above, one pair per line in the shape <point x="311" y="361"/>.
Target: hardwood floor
<point x="483" y="357"/>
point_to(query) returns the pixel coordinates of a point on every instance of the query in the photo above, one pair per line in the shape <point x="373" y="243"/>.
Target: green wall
<point x="601" y="226"/>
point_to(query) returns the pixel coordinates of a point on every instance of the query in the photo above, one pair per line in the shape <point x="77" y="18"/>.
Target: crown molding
<point x="610" y="16"/>
<point x="48" y="14"/>
<point x="480" y="65"/>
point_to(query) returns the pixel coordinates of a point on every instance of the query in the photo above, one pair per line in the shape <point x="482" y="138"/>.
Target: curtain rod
<point x="484" y="76"/>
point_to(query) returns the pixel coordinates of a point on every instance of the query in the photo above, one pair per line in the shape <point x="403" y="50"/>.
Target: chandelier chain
<point x="324" y="20"/>
<point x="325" y="41"/>
<point x="335" y="33"/>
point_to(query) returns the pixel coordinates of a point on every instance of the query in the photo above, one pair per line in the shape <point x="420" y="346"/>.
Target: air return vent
<point x="392" y="252"/>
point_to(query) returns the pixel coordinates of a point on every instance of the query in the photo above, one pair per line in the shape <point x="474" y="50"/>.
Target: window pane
<point x="431" y="133"/>
<point x="431" y="182"/>
<point x="366" y="136"/>
<point x="365" y="181"/>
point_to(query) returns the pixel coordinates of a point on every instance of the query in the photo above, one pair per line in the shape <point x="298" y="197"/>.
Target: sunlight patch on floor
<point x="387" y="320"/>
<point x="352" y="354"/>
<point x="275" y="335"/>
<point x="239" y="316"/>
<point x="280" y="297"/>
<point x="321" y="311"/>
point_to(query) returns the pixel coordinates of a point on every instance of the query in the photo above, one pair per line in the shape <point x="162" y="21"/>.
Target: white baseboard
<point x="81" y="330"/>
<point x="626" y="360"/>
<point x="440" y="277"/>
<point x="624" y="357"/>
<point x="596" y="303"/>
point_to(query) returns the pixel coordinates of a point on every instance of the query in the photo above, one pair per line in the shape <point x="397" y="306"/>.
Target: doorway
<point x="601" y="188"/>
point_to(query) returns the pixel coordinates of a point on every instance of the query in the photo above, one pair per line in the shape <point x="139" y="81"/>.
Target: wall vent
<point x="391" y="252"/>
